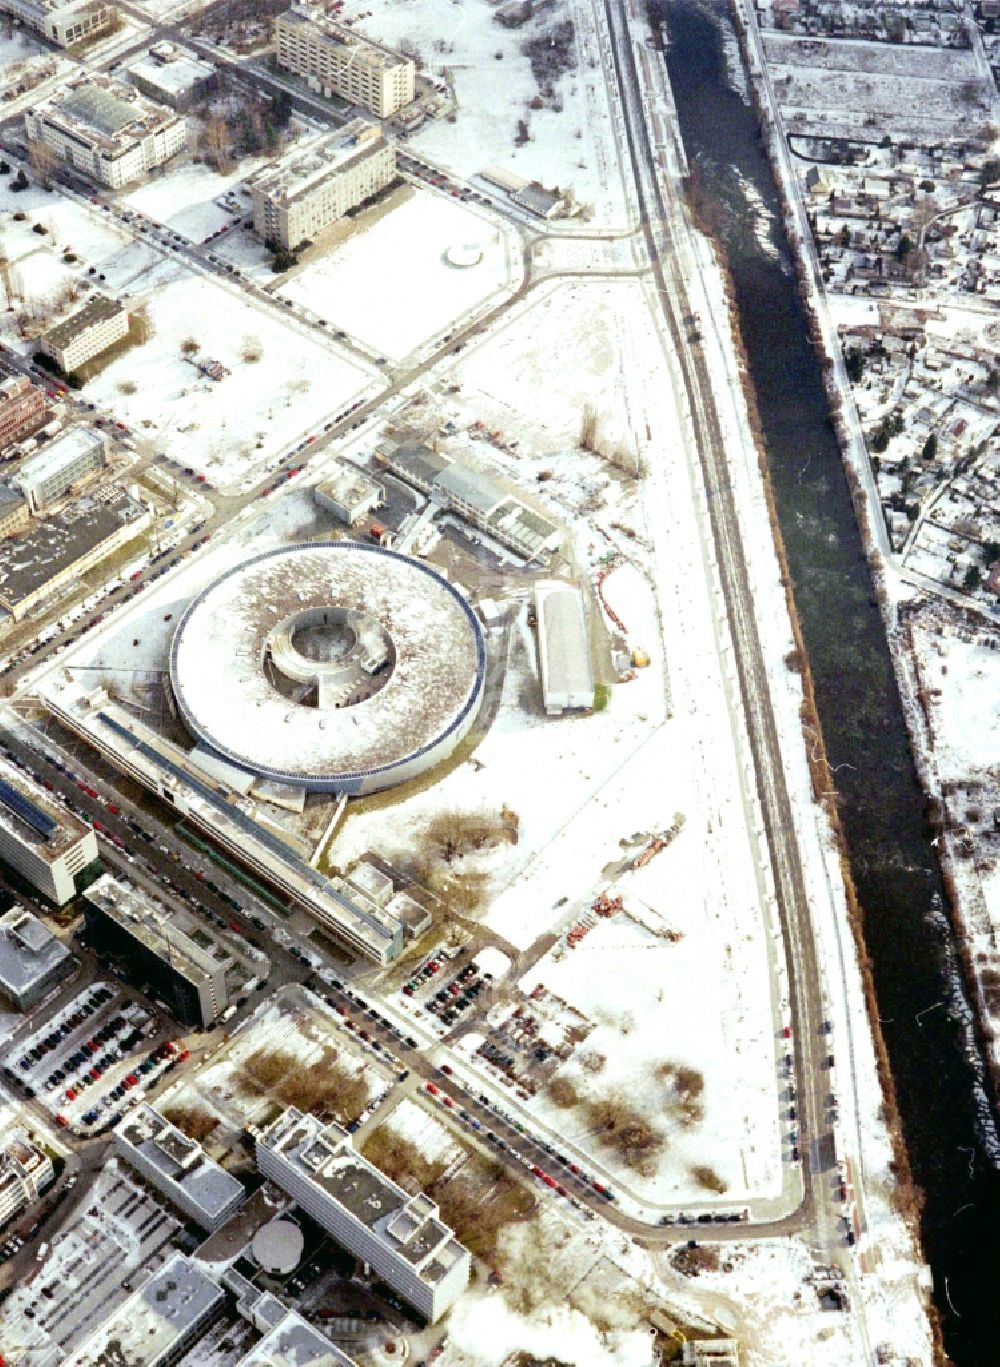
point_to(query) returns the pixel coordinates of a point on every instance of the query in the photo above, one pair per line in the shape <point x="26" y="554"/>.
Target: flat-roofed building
<point x="563" y="647"/>
<point x="293" y="1342"/>
<point x="63" y="25"/>
<point x="85" y="334"/>
<point x="173" y="75"/>
<point x="22" y="410"/>
<point x="25" y="1171"/>
<point x="476" y="497"/>
<point x="106" y="129"/>
<point x="32" y="959"/>
<point x="195" y="968"/>
<point x="349" y="494"/>
<point x="15" y="514"/>
<point x="400" y="1236"/>
<point x="158" y="1322"/>
<point x="339" y="61"/>
<point x="312" y="187"/>
<point x="40" y="838"/>
<point x="178" y="1168"/>
<point x="61" y="466"/>
<point x="57" y="549"/>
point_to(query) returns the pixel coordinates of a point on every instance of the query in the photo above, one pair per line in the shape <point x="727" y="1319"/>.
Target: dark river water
<point x="947" y="1126"/>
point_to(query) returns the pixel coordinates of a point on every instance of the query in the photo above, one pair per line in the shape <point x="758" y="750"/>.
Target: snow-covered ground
<point x="567" y="139"/>
<point x="187" y="198"/>
<point x="230" y="429"/>
<point x="418" y="293"/>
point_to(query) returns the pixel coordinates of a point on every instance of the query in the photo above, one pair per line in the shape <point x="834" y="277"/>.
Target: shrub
<point x="19" y="183"/>
<point x="40" y="229"/>
<point x="708" y="1178"/>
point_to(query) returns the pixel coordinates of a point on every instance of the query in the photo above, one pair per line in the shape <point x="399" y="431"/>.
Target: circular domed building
<point x="277" y="1247"/>
<point x="333" y="666"/>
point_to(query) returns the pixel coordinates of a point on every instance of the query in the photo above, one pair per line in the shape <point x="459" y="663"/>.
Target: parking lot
<point x="441" y="990"/>
<point x="87" y="1063"/>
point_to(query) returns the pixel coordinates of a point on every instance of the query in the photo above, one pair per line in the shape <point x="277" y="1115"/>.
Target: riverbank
<point x="891" y="593"/>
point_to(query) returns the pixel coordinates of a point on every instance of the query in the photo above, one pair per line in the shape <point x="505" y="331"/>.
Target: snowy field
<point x="22" y="57"/>
<point x="187" y="197"/>
<point x="419" y="293"/>
<point x="493" y="81"/>
<point x="229" y="429"/>
<point x="70" y="226"/>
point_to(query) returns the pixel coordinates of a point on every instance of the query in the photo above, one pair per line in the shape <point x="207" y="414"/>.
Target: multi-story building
<point x="32" y="959"/>
<point x="22" y="410"/>
<point x="400" y="1236"/>
<point x="349" y="493"/>
<point x="63" y="25"/>
<point x="296" y="198"/>
<point x="99" y="324"/>
<point x="14" y="512"/>
<point x="41" y="839"/>
<point x="158" y="1322"/>
<point x="172" y="75"/>
<point x="166" y="945"/>
<point x="106" y="129"/>
<point x="25" y="1171"/>
<point x="60" y="548"/>
<point x="338" y="61"/>
<point x="61" y="466"/>
<point x="178" y="1168"/>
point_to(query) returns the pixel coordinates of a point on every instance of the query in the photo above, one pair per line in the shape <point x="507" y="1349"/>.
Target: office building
<point x="336" y="60"/>
<point x="178" y="1168"/>
<point x="15" y="514"/>
<point x="296" y="198"/>
<point x="25" y="1171"/>
<point x="184" y="957"/>
<point x="63" y="25"/>
<point x="40" y="838"/>
<point x="398" y="1235"/>
<point x="349" y="494"/>
<point x="57" y="549"/>
<point x="32" y="959"/>
<point x="293" y="1342"/>
<point x="85" y="334"/>
<point x="106" y="130"/>
<point x="475" y="497"/>
<point x="22" y="410"/>
<point x="172" y="75"/>
<point x="61" y="466"/>
<point x="158" y="1322"/>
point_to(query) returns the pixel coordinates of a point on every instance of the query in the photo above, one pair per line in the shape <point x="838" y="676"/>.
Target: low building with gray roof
<point x="32" y="959"/>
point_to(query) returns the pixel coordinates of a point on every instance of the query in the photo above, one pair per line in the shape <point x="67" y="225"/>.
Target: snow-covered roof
<point x="307" y="713"/>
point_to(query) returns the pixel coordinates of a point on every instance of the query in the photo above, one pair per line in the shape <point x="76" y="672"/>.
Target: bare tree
<point x="216" y="143"/>
<point x="43" y="161"/>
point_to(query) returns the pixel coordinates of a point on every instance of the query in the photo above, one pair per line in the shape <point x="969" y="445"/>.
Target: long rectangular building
<point x="40" y="838"/>
<point x="62" y="24"/>
<point x="25" y="1171"/>
<point x="167" y="945"/>
<point x="106" y="129"/>
<point x="86" y="333"/>
<point x="339" y="61"/>
<point x="296" y="198"/>
<point x="399" y="1235"/>
<point x="178" y="1168"/>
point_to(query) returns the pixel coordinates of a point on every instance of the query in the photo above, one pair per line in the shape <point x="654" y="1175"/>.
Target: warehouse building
<point x="63" y="25"/>
<point x="32" y="959"/>
<point x="61" y="466"/>
<point x="475" y="497"/>
<point x="14" y="512"/>
<point x="197" y="969"/>
<point x="336" y="60"/>
<point x="296" y="198"/>
<point x="563" y="647"/>
<point x="58" y="549"/>
<point x="158" y="1322"/>
<point x="107" y="130"/>
<point x="349" y="494"/>
<point x="172" y="75"/>
<point x="85" y="334"/>
<point x="41" y="839"/>
<point x="178" y="1168"/>
<point x="400" y="1236"/>
<point x="22" y="410"/>
<point x="25" y="1171"/>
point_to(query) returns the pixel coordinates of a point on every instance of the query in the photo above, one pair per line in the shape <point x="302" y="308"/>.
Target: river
<point x="909" y="941"/>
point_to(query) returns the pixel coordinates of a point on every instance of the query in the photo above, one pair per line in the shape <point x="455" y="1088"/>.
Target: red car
<point x="432" y="1089"/>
